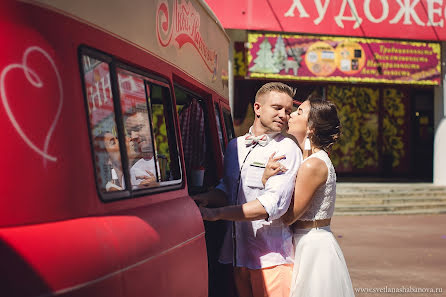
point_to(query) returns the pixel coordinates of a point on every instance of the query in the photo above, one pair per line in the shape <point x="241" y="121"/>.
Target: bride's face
<point x="297" y="125"/>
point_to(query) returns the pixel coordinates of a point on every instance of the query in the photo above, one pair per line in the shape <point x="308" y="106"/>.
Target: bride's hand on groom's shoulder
<point x="273" y="167"/>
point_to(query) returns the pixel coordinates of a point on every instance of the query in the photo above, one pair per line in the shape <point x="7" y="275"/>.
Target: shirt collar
<point x="269" y="135"/>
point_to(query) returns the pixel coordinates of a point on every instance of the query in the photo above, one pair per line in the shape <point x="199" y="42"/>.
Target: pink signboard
<point x="408" y="19"/>
<point x="343" y="59"/>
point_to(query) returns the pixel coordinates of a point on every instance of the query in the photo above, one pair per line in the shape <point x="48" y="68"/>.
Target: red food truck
<point x="112" y="113"/>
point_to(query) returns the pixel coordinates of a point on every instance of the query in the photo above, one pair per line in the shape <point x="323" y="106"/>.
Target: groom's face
<point x="273" y="110"/>
<point x="138" y="130"/>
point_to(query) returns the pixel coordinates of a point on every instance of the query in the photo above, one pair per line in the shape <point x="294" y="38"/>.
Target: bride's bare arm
<point x="311" y="175"/>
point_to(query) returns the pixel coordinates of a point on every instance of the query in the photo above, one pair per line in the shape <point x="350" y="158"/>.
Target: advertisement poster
<point x="320" y="58"/>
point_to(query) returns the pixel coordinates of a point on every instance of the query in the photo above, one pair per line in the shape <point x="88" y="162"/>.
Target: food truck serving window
<point x="199" y="157"/>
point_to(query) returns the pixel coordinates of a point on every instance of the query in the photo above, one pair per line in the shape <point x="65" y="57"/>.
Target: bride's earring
<point x="307" y="144"/>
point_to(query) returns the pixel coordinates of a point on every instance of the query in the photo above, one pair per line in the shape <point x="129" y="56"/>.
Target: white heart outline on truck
<point x="34" y="79"/>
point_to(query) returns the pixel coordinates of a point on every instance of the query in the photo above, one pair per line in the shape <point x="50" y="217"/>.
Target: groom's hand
<point x="201" y="200"/>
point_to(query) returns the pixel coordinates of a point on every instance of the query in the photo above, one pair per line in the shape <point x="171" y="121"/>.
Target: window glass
<point x="219" y="127"/>
<point x="163" y="132"/>
<point x="228" y="124"/>
<point x="150" y="135"/>
<point x="197" y="157"/>
<point x="101" y="114"/>
<point x="135" y="113"/>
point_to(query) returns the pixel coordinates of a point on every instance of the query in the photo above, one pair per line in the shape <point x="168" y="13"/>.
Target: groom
<point x="258" y="244"/>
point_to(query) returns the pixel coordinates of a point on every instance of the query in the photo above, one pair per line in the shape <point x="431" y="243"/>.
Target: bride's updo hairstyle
<point x="324" y="122"/>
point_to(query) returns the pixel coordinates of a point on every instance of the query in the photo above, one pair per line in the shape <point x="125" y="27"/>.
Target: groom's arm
<point x="213" y="198"/>
<point x="250" y="211"/>
<point x="279" y="188"/>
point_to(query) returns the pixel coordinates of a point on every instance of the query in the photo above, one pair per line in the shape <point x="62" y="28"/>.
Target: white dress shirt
<point x="140" y="168"/>
<point x="260" y="243"/>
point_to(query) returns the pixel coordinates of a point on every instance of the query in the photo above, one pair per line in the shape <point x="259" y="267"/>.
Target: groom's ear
<point x="257" y="107"/>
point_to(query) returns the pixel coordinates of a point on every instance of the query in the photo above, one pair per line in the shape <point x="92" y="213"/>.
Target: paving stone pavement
<point x="397" y="251"/>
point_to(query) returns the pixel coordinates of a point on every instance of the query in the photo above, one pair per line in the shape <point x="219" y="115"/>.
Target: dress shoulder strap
<point x="322" y="155"/>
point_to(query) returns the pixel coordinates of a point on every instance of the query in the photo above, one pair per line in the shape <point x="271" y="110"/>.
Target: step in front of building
<point x="380" y="213"/>
<point x="383" y="198"/>
<point x="388" y="200"/>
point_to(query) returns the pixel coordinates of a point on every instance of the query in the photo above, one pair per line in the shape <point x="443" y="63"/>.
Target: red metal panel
<point x="55" y="233"/>
<point x="129" y="253"/>
<point x="161" y="252"/>
<point x="60" y="257"/>
<point x="43" y="178"/>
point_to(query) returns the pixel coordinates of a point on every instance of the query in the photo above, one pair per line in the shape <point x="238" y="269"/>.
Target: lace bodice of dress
<point x="323" y="202"/>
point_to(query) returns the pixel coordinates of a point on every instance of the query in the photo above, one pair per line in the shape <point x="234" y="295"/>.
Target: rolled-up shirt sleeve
<point x="279" y="188"/>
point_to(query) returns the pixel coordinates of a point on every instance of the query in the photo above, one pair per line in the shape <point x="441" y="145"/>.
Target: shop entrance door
<point x="423" y="134"/>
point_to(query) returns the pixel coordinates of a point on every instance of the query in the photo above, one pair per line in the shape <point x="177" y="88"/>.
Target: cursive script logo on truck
<point x="182" y="25"/>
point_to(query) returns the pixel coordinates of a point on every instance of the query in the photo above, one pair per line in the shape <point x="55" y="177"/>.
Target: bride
<point x="319" y="266"/>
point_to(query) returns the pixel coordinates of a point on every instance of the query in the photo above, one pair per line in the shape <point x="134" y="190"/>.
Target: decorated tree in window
<point x="279" y="54"/>
<point x="264" y="63"/>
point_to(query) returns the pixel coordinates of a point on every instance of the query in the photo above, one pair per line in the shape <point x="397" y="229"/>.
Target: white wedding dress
<point x="319" y="266"/>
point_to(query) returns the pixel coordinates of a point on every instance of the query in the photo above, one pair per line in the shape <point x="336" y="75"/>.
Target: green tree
<point x="264" y="63"/>
<point x="279" y="54"/>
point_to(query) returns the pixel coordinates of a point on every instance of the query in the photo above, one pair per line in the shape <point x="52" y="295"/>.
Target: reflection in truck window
<point x="101" y="114"/>
<point x="140" y="152"/>
<point x="165" y="143"/>
<point x="219" y="127"/>
<point x="199" y="159"/>
<point x="228" y="124"/>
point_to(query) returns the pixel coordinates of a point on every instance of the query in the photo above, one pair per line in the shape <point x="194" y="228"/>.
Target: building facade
<point x="379" y="61"/>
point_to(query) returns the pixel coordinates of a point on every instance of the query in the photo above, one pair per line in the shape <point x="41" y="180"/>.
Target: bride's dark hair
<point x="324" y="123"/>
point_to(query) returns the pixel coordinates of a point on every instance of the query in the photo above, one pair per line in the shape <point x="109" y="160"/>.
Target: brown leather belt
<point x="310" y="224"/>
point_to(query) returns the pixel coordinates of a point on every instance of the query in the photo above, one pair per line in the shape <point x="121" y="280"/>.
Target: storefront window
<point x="357" y="150"/>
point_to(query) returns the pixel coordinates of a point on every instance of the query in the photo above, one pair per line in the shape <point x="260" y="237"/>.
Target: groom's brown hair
<point x="277" y="87"/>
